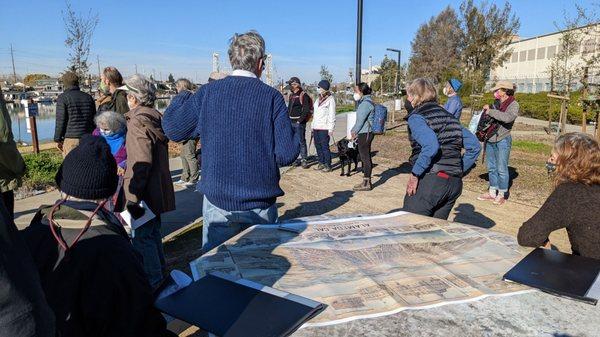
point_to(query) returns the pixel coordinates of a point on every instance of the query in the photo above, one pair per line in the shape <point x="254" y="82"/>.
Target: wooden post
<point x="563" y="116"/>
<point x="549" y="115"/>
<point x="562" y="120"/>
<point x="584" y="96"/>
<point x="34" y="135"/>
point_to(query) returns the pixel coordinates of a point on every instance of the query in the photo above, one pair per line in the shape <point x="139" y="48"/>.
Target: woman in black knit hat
<point x="91" y="275"/>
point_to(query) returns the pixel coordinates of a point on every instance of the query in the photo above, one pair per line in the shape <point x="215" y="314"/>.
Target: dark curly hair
<point x="364" y="88"/>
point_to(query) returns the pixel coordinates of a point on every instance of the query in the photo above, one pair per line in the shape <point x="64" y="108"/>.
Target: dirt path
<point x="310" y="192"/>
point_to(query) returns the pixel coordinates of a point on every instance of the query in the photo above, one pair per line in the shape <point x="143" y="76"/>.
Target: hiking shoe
<point x="326" y="168"/>
<point x="486" y="197"/>
<point x="304" y="163"/>
<point x="364" y="186"/>
<point x="180" y="182"/>
<point x="499" y="200"/>
<point x="296" y="163"/>
<point x="319" y="167"/>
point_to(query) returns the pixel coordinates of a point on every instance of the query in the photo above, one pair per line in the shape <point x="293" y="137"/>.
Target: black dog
<point x="347" y="155"/>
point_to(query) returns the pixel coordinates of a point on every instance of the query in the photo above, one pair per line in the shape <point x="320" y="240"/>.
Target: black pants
<point x="364" y="150"/>
<point x="435" y="196"/>
<point x="9" y="201"/>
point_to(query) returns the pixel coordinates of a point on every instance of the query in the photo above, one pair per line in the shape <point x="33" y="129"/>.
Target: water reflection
<point x="45" y="120"/>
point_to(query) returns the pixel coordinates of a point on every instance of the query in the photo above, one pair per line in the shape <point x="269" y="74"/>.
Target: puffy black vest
<point x="449" y="134"/>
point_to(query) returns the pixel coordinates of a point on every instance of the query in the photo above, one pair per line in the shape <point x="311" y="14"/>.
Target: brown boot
<point x="364" y="186"/>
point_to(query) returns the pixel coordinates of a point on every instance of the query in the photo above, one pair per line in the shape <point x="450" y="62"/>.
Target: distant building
<point x="530" y="59"/>
<point x="49" y="86"/>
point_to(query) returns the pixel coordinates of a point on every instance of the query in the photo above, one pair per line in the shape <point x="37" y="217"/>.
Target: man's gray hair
<point x="114" y="121"/>
<point x="184" y="84"/>
<point x="142" y="89"/>
<point x="245" y="50"/>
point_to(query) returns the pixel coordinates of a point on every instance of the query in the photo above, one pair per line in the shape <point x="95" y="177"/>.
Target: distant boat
<point x="43" y="99"/>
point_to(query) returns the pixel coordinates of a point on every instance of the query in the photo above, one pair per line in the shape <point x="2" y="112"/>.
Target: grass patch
<point x="41" y="169"/>
<point x="344" y="108"/>
<point x="534" y="147"/>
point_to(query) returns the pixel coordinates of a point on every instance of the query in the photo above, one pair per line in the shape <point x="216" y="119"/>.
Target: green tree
<point x="171" y="79"/>
<point x="31" y="79"/>
<point x="435" y="48"/>
<point x="486" y="32"/>
<point x="387" y="76"/>
<point x="325" y="74"/>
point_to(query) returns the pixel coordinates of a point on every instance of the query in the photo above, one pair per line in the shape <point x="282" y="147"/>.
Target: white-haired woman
<point x="147" y="178"/>
<point x="112" y="127"/>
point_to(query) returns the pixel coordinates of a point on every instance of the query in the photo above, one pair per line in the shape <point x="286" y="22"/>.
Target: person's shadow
<point x="466" y="214"/>
<point x="512" y="175"/>
<point x="390" y="173"/>
<point x="318" y="207"/>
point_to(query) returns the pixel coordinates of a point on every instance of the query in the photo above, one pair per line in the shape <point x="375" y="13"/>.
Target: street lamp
<point x="398" y="67"/>
<point x="359" y="19"/>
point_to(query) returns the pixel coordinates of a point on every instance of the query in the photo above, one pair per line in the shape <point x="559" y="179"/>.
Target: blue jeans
<point x="322" y="145"/>
<point x="220" y="225"/>
<point x="147" y="241"/>
<point x="300" y="137"/>
<point x="497" y="155"/>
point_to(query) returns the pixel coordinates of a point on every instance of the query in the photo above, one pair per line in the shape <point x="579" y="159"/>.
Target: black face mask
<point x="550" y="167"/>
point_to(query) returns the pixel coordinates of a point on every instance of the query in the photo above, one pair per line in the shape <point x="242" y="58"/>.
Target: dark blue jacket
<point x="246" y="136"/>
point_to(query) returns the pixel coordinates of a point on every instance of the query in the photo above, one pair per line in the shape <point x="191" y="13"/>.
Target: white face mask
<point x="319" y="91"/>
<point x="357" y="96"/>
<point x="106" y="133"/>
<point x="445" y="91"/>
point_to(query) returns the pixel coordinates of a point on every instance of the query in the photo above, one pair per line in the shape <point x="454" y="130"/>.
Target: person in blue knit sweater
<point x="246" y="136"/>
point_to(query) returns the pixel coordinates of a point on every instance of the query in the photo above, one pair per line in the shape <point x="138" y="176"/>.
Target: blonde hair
<point x="578" y="159"/>
<point x="422" y="90"/>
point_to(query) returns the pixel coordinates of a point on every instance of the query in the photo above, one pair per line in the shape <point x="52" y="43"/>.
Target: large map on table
<point x="370" y="266"/>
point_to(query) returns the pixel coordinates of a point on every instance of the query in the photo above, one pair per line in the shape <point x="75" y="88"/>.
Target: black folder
<point x="560" y="274"/>
<point x="229" y="308"/>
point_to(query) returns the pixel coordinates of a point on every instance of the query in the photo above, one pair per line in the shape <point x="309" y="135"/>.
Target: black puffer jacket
<point x="75" y="111"/>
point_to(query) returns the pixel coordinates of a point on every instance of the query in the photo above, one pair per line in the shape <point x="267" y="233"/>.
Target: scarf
<point x="115" y="141"/>
<point x="504" y="105"/>
<point x="324" y="97"/>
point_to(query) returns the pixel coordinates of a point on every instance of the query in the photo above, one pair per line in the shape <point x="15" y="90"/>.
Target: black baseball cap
<point x="294" y="80"/>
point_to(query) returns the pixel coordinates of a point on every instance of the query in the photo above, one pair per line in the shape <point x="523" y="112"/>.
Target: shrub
<point x="41" y="169"/>
<point x="538" y="105"/>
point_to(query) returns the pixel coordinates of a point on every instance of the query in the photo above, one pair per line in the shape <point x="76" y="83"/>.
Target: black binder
<point x="560" y="274"/>
<point x="230" y="308"/>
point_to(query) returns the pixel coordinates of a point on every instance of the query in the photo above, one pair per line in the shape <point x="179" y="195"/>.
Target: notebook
<point x="230" y="308"/>
<point x="560" y="274"/>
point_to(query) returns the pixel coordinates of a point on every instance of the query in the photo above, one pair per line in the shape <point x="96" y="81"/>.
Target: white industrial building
<point x="531" y="57"/>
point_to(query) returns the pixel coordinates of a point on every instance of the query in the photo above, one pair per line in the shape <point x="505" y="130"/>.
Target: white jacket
<point x="324" y="114"/>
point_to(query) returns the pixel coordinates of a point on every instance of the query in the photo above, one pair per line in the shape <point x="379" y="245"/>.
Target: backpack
<point x="311" y="104"/>
<point x="379" y="118"/>
<point x="487" y="127"/>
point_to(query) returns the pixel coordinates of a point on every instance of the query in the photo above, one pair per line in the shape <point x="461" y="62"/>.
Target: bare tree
<point x="326" y="74"/>
<point x="80" y="30"/>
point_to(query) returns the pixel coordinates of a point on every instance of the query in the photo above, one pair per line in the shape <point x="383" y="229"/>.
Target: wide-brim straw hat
<point x="503" y="85"/>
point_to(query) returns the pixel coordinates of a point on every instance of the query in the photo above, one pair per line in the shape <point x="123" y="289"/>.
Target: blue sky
<point x="180" y="36"/>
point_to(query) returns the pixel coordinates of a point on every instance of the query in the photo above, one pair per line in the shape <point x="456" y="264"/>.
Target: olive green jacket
<point x="12" y="166"/>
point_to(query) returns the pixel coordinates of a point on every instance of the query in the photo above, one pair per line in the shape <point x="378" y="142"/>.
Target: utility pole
<point x="396" y="88"/>
<point x="359" y="21"/>
<point x="98" y="61"/>
<point x="12" y="56"/>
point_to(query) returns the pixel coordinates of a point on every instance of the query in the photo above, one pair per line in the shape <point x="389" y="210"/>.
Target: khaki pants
<point x="68" y="145"/>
